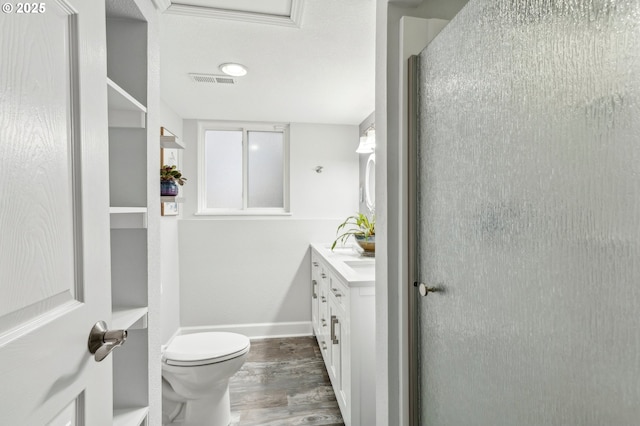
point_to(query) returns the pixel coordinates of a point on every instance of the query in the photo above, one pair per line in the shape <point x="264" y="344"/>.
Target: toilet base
<point x="212" y="410"/>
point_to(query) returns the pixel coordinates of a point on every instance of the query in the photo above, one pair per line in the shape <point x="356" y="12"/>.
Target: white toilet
<point x="196" y="369"/>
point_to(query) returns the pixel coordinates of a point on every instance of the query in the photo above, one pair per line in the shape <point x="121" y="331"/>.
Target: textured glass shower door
<point x="529" y="215"/>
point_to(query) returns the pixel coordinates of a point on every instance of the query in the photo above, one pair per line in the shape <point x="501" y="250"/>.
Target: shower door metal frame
<point x="412" y="241"/>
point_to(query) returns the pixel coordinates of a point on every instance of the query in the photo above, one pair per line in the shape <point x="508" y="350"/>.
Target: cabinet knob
<point x="336" y="292"/>
<point x="315" y="264"/>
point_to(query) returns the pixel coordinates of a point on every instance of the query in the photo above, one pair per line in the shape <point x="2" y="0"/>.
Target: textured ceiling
<point x="322" y="72"/>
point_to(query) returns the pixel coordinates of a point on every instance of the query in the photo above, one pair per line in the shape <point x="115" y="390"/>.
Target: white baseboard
<point x="257" y="331"/>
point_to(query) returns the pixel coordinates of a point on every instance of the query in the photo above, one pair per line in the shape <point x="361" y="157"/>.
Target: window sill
<point x="242" y="213"/>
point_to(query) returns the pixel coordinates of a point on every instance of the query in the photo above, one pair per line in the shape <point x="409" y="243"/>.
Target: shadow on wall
<point x="297" y="289"/>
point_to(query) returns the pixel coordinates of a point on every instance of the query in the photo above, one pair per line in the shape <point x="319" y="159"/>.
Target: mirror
<point x="370" y="183"/>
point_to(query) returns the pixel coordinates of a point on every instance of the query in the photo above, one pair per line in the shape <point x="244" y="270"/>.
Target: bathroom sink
<point x="361" y="265"/>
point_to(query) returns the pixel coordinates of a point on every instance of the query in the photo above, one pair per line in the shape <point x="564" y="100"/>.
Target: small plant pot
<point x="368" y="244"/>
<point x="168" y="188"/>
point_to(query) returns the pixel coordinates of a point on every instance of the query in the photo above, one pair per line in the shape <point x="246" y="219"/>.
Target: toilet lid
<point x="205" y="348"/>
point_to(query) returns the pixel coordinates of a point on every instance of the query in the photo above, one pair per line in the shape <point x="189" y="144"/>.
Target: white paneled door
<point x="54" y="222"/>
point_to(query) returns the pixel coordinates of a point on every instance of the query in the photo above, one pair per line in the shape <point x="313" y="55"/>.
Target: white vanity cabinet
<point x="343" y="316"/>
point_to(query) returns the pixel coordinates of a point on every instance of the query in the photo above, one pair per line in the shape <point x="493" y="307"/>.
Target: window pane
<point x="266" y="176"/>
<point x="223" y="168"/>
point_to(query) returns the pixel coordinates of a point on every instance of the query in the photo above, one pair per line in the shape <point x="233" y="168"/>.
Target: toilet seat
<point x="205" y="348"/>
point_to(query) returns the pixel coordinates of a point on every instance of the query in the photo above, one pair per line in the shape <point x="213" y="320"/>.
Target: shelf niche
<point x="128" y="217"/>
<point x="124" y="110"/>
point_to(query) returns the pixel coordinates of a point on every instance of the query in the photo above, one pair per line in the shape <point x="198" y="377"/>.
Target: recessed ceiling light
<point x="236" y="70"/>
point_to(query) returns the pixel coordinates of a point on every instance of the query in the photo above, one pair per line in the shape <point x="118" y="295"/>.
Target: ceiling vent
<point x="212" y="78"/>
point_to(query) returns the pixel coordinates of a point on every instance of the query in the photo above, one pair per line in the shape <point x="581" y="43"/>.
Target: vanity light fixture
<point x="367" y="142"/>
<point x="234" y="70"/>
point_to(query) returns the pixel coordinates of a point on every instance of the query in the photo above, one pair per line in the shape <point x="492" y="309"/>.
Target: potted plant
<point x="362" y="228"/>
<point x="170" y="178"/>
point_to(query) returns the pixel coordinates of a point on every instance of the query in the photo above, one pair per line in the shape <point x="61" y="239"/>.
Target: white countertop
<point x="355" y="269"/>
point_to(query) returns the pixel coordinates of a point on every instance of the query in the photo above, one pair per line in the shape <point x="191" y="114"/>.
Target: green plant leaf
<point x="359" y="224"/>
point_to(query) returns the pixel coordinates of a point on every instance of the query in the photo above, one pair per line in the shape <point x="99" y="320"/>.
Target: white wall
<point x="391" y="231"/>
<point x="238" y="272"/>
<point x="171" y="121"/>
<point x="334" y="192"/>
<point x="247" y="270"/>
<point x="169" y="267"/>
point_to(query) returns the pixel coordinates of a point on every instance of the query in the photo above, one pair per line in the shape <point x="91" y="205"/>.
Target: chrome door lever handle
<point x="102" y="341"/>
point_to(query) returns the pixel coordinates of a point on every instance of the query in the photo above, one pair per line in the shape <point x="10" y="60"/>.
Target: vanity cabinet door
<point x="315" y="294"/>
<point x="338" y="350"/>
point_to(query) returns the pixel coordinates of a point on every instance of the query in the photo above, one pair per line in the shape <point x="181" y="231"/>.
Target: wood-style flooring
<point x="283" y="382"/>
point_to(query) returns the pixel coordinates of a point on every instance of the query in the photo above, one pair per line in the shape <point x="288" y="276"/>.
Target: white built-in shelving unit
<point x="133" y="158"/>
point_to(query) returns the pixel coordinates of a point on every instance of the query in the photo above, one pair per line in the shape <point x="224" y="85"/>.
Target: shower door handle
<point x="425" y="289"/>
<point x="102" y="341"/>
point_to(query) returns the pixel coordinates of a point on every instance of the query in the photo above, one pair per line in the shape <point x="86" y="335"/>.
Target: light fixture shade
<point x="234" y="70"/>
<point x="371" y="138"/>
<point x="367" y="143"/>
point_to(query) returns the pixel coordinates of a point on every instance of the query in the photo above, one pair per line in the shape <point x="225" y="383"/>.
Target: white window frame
<point x="245" y="127"/>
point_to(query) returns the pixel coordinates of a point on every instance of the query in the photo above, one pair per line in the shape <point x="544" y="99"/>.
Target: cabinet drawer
<point x="319" y="270"/>
<point x="338" y="291"/>
<point x="315" y="266"/>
